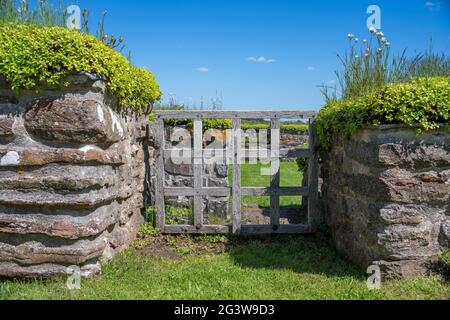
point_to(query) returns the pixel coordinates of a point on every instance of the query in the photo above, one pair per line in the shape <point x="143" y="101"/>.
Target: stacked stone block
<point x="71" y="178"/>
<point x="386" y="195"/>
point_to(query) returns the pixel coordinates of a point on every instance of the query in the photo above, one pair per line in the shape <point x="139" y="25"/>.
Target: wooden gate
<point x="198" y="192"/>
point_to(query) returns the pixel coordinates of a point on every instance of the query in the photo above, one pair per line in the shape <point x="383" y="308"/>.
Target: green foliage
<point x="301" y="164"/>
<point x="44" y="13"/>
<point x="442" y="266"/>
<point x="422" y="102"/>
<point x="213" y="238"/>
<point x="185" y="248"/>
<point x="295" y="128"/>
<point x="220" y="124"/>
<point x="368" y="65"/>
<point x="174" y="215"/>
<point x="148" y="230"/>
<point x="31" y="56"/>
<point x="445" y="258"/>
<point x="285" y="127"/>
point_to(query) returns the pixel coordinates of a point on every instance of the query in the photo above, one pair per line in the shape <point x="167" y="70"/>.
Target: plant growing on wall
<point x="368" y="65"/>
<point x="44" y="13"/>
<point x="422" y="103"/>
<point x="33" y="55"/>
<point x="378" y="88"/>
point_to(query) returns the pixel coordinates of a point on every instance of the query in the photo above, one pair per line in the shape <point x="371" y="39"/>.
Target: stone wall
<point x="386" y="195"/>
<point x="71" y="178"/>
<point x="293" y="140"/>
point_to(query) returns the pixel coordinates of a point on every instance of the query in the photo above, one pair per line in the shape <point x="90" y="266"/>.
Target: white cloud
<point x="202" y="70"/>
<point x="260" y="59"/>
<point x="311" y="68"/>
<point x="433" y="6"/>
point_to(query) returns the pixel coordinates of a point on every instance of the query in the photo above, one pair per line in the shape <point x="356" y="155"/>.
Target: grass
<point x="252" y="177"/>
<point x="285" y="267"/>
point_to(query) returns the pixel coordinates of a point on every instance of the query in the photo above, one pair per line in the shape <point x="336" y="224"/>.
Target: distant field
<point x="252" y="177"/>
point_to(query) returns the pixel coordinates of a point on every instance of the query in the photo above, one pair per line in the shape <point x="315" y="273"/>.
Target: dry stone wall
<point x="71" y="178"/>
<point x="386" y="195"/>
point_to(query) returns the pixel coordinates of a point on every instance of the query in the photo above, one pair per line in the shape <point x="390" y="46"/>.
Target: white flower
<point x="350" y="36"/>
<point x="380" y="34"/>
<point x="364" y="41"/>
<point x="388" y="44"/>
<point x="384" y="40"/>
<point x="356" y="39"/>
<point x="373" y="30"/>
<point x="356" y="57"/>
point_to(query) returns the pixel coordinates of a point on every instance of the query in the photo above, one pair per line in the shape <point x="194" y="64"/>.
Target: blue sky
<point x="199" y="47"/>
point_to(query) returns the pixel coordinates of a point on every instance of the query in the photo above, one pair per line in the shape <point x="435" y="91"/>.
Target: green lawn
<point x="252" y="177"/>
<point x="222" y="268"/>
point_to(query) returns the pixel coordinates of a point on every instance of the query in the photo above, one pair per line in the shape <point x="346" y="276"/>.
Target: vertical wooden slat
<point x="159" y="183"/>
<point x="275" y="173"/>
<point x="313" y="179"/>
<point x="198" y="173"/>
<point x="237" y="157"/>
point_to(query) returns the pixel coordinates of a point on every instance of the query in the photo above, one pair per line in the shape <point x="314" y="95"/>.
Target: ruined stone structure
<point x="71" y="178"/>
<point x="73" y="170"/>
<point x="386" y="196"/>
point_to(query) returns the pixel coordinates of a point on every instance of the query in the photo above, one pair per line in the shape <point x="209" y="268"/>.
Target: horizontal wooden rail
<point x="280" y="191"/>
<point x="267" y="229"/>
<point x="190" y="192"/>
<point x="169" y="114"/>
<point x="226" y="192"/>
<point x="247" y="153"/>
<point x="250" y="229"/>
<point x="206" y="229"/>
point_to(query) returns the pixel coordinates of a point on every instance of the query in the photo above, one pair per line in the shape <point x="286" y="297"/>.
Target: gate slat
<point x="198" y="173"/>
<point x="159" y="183"/>
<point x="313" y="178"/>
<point x="275" y="173"/>
<point x="236" y="175"/>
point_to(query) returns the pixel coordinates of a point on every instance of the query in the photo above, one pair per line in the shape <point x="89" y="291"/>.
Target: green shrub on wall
<point x="31" y="56"/>
<point x="421" y="101"/>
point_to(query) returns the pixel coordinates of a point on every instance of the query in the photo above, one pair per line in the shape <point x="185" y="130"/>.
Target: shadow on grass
<point x="302" y="254"/>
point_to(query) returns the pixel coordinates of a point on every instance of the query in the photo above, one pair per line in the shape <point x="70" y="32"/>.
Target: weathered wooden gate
<point x="236" y="191"/>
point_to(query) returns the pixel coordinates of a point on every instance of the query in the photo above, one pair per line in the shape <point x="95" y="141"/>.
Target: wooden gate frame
<point x="236" y="191"/>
